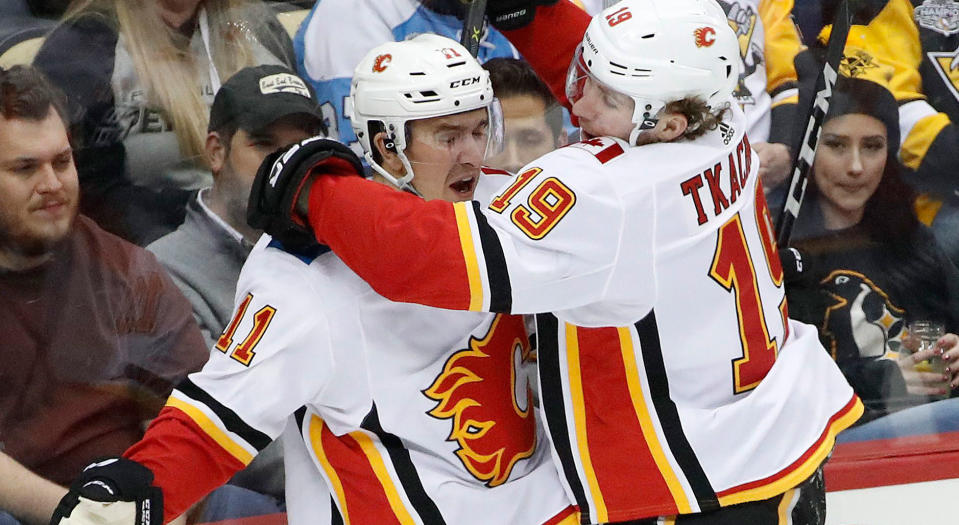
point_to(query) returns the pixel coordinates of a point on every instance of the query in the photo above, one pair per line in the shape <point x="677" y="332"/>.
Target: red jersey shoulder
<point x="604" y="149"/>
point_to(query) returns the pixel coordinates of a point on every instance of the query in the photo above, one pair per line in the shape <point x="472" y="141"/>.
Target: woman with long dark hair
<point x="875" y="268"/>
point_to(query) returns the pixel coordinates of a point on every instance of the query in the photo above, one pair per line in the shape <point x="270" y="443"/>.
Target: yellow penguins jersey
<point x="768" y="43"/>
<point x="671" y="378"/>
<point x="400" y="413"/>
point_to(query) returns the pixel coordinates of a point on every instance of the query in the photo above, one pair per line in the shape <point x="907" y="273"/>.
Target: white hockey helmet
<point x="656" y="52"/>
<point x="424" y="77"/>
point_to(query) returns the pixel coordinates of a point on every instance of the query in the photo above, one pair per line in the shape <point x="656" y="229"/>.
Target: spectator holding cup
<point x="872" y="271"/>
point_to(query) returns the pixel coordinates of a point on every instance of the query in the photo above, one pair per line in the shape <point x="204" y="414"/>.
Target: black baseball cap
<point x="256" y="97"/>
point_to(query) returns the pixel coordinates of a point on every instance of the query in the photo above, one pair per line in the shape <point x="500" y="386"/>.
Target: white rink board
<point x="926" y="503"/>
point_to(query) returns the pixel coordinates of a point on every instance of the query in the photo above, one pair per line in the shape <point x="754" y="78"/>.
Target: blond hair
<point x="169" y="72"/>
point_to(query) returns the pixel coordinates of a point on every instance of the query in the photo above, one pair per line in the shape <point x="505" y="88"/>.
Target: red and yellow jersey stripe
<point x="618" y="434"/>
<point x="452" y="243"/>
<point x="189" y="436"/>
<point x="363" y="485"/>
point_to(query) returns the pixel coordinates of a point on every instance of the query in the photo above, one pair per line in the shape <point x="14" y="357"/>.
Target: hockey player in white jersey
<point x="390" y="412"/>
<point x="672" y="381"/>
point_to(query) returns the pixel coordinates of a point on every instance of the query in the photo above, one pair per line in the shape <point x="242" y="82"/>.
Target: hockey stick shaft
<point x="816" y="110"/>
<point x="473" y="26"/>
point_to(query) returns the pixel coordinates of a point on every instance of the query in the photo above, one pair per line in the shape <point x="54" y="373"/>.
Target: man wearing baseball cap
<point x="257" y="111"/>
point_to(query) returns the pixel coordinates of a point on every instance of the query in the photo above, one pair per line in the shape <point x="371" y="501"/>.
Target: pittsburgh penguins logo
<point x="743" y="20"/>
<point x="485" y="391"/>
<point x="946" y="65"/>
<point x="857" y="64"/>
<point x="862" y="317"/>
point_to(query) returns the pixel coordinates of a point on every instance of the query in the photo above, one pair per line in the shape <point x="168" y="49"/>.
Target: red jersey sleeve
<point x="186" y="462"/>
<point x="407" y="249"/>
<point x="562" y="25"/>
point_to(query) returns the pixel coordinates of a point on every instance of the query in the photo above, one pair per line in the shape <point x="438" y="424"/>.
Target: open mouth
<point x="464" y="186"/>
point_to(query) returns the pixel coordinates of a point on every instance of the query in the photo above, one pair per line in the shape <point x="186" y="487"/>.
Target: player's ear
<point x="390" y="160"/>
<point x="671" y="126"/>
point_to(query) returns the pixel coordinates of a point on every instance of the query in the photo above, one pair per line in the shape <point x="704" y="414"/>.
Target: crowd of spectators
<point x="128" y="148"/>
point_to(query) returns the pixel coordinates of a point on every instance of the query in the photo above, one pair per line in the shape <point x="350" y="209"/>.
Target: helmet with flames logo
<point x="656" y="52"/>
<point x="424" y="77"/>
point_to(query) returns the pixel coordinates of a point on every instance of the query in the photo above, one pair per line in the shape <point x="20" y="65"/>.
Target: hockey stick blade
<point x="473" y="26"/>
<point x="816" y="110"/>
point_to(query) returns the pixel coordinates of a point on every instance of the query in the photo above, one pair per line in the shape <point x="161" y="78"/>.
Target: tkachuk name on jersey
<point x="735" y="169"/>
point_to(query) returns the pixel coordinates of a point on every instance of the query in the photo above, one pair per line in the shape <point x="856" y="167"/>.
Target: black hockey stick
<point x="815" y="112"/>
<point x="473" y="26"/>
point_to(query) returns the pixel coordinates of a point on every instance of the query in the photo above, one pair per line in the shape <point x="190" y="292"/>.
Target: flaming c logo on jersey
<point x="478" y="389"/>
<point x="705" y="36"/>
<point x="381" y="62"/>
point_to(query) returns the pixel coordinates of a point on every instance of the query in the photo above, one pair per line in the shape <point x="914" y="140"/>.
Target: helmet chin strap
<point x="645" y="117"/>
<point x="403" y="183"/>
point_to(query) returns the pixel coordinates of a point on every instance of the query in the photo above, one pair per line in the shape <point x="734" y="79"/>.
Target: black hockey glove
<point x="513" y="14"/>
<point x="281" y="178"/>
<point x="114" y="491"/>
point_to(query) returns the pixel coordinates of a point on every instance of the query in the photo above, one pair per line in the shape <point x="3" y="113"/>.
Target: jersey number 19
<point x="733" y="269"/>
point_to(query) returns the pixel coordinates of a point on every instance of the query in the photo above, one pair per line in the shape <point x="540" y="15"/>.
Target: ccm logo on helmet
<point x="464" y="82"/>
<point x="705" y="36"/>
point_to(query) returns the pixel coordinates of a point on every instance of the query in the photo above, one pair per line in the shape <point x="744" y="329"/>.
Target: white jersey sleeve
<point x="277" y="332"/>
<point x="568" y="236"/>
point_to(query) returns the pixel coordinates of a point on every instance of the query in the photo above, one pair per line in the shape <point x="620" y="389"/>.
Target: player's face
<point x="528" y="136"/>
<point x="446" y="154"/>
<point x="247" y="151"/>
<point x="39" y="190"/>
<point x="603" y="112"/>
<point x="849" y="165"/>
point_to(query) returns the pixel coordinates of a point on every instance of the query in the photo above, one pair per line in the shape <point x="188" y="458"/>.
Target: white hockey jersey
<point x="671" y="379"/>
<point x="402" y="413"/>
<point x="712" y="397"/>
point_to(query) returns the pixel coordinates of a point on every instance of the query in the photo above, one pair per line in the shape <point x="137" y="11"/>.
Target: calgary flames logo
<point x="381" y="62"/>
<point x="705" y="36"/>
<point x="486" y="393"/>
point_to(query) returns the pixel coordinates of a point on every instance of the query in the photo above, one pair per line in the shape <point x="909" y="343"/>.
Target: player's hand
<point x="115" y="491"/>
<point x="513" y="14"/>
<point x="283" y="176"/>
<point x="775" y="162"/>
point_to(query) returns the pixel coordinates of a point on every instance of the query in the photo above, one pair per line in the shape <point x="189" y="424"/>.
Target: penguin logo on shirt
<point x="485" y="390"/>
<point x="862" y="317"/>
<point x="856" y="64"/>
<point x="743" y="20"/>
<point x="946" y="64"/>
